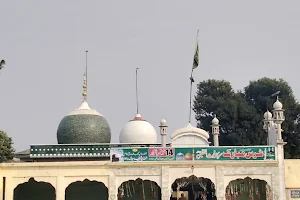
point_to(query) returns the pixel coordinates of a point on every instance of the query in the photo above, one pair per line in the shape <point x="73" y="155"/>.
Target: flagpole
<point x="136" y="90"/>
<point x="86" y="70"/>
<point x="191" y="86"/>
<point x="192" y="79"/>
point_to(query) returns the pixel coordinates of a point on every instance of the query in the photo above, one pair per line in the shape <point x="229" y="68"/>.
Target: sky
<point x="44" y="44"/>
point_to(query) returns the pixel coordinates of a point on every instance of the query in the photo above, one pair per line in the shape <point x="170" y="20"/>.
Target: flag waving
<point x="196" y="57"/>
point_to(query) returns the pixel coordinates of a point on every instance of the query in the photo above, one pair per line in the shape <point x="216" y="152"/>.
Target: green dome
<point x="83" y="126"/>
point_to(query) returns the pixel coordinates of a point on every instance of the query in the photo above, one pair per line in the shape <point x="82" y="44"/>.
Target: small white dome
<point x="138" y="131"/>
<point x="84" y="109"/>
<point x="163" y="122"/>
<point x="277" y="105"/>
<point x="215" y="121"/>
<point x="189" y="129"/>
<point x="268" y="115"/>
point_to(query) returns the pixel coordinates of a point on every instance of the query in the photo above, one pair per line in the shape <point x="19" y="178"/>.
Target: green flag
<point x="196" y="57"/>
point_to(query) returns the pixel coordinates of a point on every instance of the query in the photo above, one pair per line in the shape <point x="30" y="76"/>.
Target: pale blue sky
<point x="44" y="44"/>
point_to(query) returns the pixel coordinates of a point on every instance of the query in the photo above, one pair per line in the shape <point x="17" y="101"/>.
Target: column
<point x="9" y="191"/>
<point x="281" y="169"/>
<point x="60" y="188"/>
<point x="219" y="184"/>
<point x="112" y="187"/>
<point x="165" y="185"/>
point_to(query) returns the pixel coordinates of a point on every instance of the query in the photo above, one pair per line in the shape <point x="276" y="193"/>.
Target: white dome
<point x="84" y="109"/>
<point x="138" y="131"/>
<point x="268" y="115"/>
<point x="163" y="122"/>
<point x="189" y="129"/>
<point x="277" y="105"/>
<point x="215" y="121"/>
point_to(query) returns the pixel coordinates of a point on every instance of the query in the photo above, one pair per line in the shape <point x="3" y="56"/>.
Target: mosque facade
<point x="84" y="165"/>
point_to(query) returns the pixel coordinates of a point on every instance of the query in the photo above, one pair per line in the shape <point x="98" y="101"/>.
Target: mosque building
<point x="85" y="165"/>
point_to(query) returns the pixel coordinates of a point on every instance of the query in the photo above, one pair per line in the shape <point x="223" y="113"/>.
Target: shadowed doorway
<point x="33" y="190"/>
<point x="139" y="190"/>
<point x="248" y="189"/>
<point x="194" y="188"/>
<point x="86" y="190"/>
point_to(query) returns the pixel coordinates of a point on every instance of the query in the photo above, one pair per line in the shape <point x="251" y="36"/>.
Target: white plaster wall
<point x="189" y="141"/>
<point x="121" y="179"/>
<point x="226" y="174"/>
<point x="123" y="174"/>
<point x="60" y="175"/>
<point x="199" y="171"/>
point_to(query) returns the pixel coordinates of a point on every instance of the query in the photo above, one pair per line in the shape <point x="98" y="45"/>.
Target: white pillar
<point x="112" y="186"/>
<point x="278" y="118"/>
<point x="60" y="188"/>
<point x="165" y="184"/>
<point x="163" y="132"/>
<point x="216" y="140"/>
<point x="9" y="190"/>
<point x="281" y="170"/>
<point x="215" y="131"/>
<point x="281" y="167"/>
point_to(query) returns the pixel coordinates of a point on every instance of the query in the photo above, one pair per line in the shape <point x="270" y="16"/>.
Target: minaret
<point x="163" y="132"/>
<point x="269" y="127"/>
<point x="215" y="130"/>
<point x="278" y="118"/>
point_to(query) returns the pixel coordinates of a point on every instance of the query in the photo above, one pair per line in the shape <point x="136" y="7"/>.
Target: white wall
<point x="189" y="141"/>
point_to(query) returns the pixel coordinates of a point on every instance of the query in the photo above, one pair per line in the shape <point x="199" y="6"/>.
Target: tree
<point x="6" y="149"/>
<point x="257" y="94"/>
<point x="241" y="113"/>
<point x="239" y="120"/>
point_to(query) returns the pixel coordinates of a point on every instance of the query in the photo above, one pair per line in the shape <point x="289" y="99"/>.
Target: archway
<point x="86" y="190"/>
<point x="247" y="188"/>
<point x="194" y="188"/>
<point x="33" y="190"/>
<point x="139" y="190"/>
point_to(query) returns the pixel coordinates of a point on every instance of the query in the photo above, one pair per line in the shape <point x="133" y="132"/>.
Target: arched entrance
<point x="139" y="190"/>
<point x="86" y="190"/>
<point x="194" y="188"/>
<point x="248" y="189"/>
<point x="33" y="190"/>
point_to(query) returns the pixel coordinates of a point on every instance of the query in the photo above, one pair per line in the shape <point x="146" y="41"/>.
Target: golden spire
<point x="84" y="93"/>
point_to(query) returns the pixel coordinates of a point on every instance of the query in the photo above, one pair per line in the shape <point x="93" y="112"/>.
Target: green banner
<point x="235" y="153"/>
<point x="192" y="154"/>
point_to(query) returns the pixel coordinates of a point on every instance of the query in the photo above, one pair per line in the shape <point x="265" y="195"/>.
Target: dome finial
<point x="277" y="105"/>
<point x="136" y="90"/>
<point x="84" y="93"/>
<point x="215" y="120"/>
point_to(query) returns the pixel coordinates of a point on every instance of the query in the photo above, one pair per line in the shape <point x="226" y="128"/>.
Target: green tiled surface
<point x="83" y="129"/>
<point x="78" y="150"/>
<point x="69" y="151"/>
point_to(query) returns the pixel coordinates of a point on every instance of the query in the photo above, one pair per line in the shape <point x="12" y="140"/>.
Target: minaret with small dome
<point x="163" y="132"/>
<point x="215" y="130"/>
<point x="83" y="125"/>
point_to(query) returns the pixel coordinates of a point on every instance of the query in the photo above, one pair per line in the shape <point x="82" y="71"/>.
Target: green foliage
<point x="6" y="149"/>
<point x="241" y="113"/>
